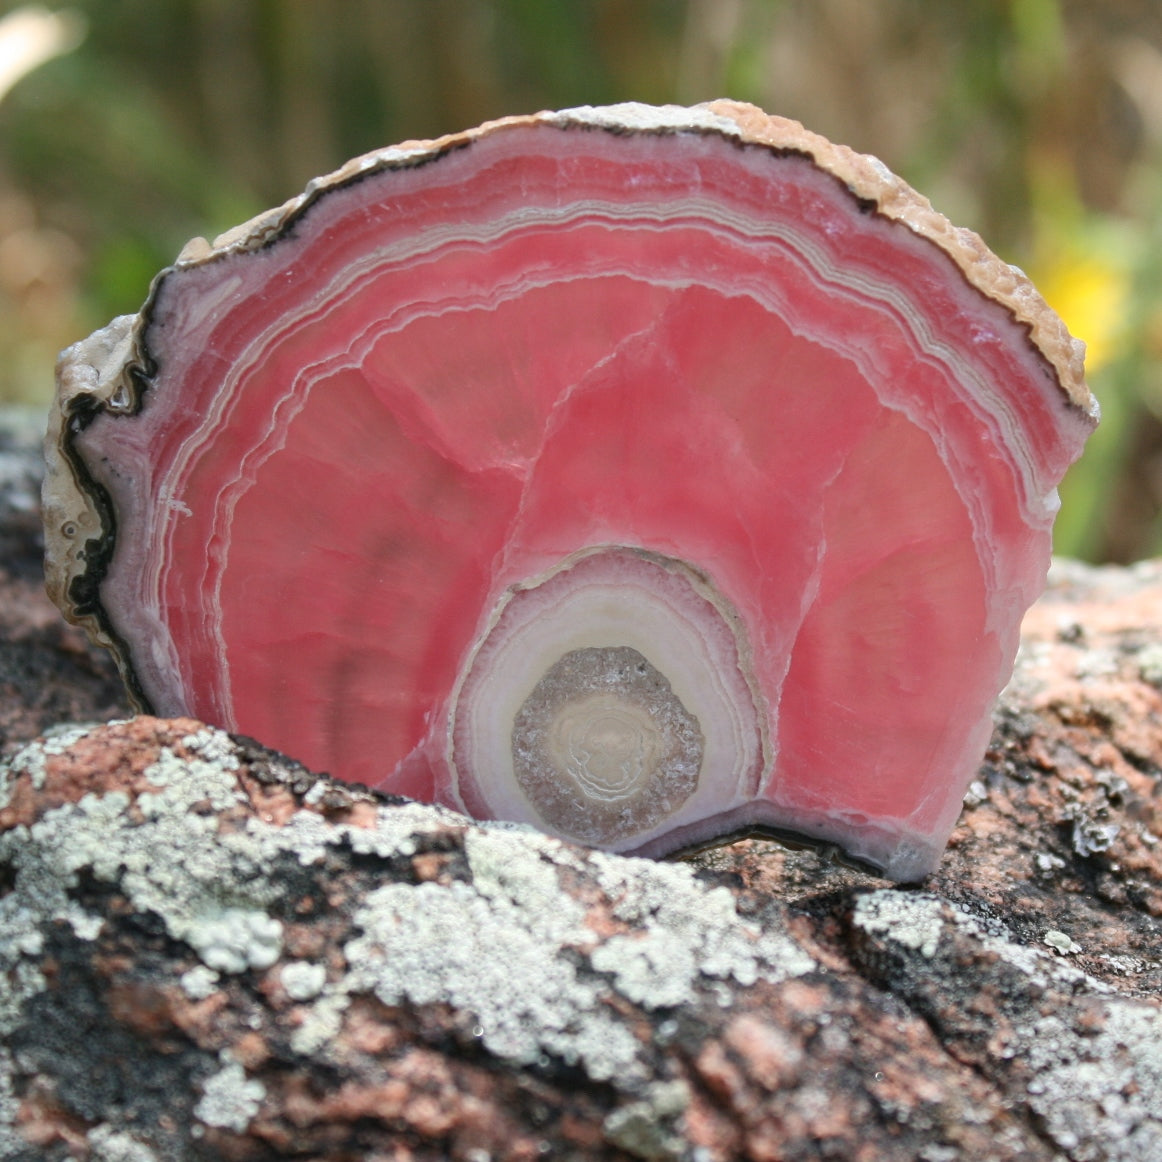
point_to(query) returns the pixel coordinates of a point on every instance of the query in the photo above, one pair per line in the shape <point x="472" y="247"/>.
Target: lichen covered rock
<point x="267" y="964"/>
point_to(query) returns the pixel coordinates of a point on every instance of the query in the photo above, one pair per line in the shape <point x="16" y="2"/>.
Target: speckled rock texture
<point x="209" y="952"/>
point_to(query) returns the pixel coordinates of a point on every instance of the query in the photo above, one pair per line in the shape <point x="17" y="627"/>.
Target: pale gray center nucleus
<point x="603" y="747"/>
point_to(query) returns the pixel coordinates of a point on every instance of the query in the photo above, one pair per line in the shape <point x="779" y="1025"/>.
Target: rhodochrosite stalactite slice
<point x="693" y="387"/>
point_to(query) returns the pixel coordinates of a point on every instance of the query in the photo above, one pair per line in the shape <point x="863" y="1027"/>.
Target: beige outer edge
<point x="100" y="367"/>
<point x="74" y="526"/>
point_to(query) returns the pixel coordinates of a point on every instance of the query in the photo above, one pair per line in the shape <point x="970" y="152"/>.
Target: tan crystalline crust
<point x="868" y="177"/>
<point x="98" y="372"/>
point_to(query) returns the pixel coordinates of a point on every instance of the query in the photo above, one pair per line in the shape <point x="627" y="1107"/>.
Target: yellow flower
<point x="1091" y="293"/>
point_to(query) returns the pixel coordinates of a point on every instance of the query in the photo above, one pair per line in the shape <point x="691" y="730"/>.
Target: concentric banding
<point x="346" y="449"/>
<point x="608" y="700"/>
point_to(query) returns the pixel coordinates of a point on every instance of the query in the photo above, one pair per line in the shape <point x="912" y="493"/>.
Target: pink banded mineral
<point x="649" y="475"/>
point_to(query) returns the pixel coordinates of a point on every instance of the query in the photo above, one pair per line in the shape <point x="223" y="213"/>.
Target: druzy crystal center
<point x="603" y="745"/>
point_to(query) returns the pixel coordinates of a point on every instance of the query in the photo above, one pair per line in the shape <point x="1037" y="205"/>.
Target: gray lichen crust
<point x="1090" y="1063"/>
<point x="227" y="924"/>
<point x="765" y="1004"/>
<point x="501" y="941"/>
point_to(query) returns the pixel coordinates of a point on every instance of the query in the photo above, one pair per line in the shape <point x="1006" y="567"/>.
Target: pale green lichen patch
<point x="1098" y="1091"/>
<point x="199" y="982"/>
<point x="683" y="934"/>
<point x="1061" y="942"/>
<point x="303" y="981"/>
<point x="494" y="958"/>
<point x="307" y="836"/>
<point x="107" y="1144"/>
<point x="1149" y="661"/>
<point x="184" y="782"/>
<point x="918" y="921"/>
<point x="30" y="761"/>
<point x="508" y="945"/>
<point x="168" y="863"/>
<point x="215" y="746"/>
<point x="42" y="873"/>
<point x="321" y="1023"/>
<point x="229" y="1098"/>
<point x="914" y="921"/>
<point x="489" y="948"/>
<point x="235" y="939"/>
<point x="530" y="883"/>
<point x="647" y="1128"/>
<point x="11" y="1143"/>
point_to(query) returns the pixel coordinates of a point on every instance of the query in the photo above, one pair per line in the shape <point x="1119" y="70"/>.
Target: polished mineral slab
<point x="693" y="383"/>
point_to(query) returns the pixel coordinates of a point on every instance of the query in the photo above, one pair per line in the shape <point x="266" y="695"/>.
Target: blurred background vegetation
<point x="1036" y="122"/>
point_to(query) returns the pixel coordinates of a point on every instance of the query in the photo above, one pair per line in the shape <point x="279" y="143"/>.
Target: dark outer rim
<point x="84" y="588"/>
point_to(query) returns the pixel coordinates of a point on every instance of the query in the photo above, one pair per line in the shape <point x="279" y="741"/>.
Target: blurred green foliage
<point x="1036" y="122"/>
